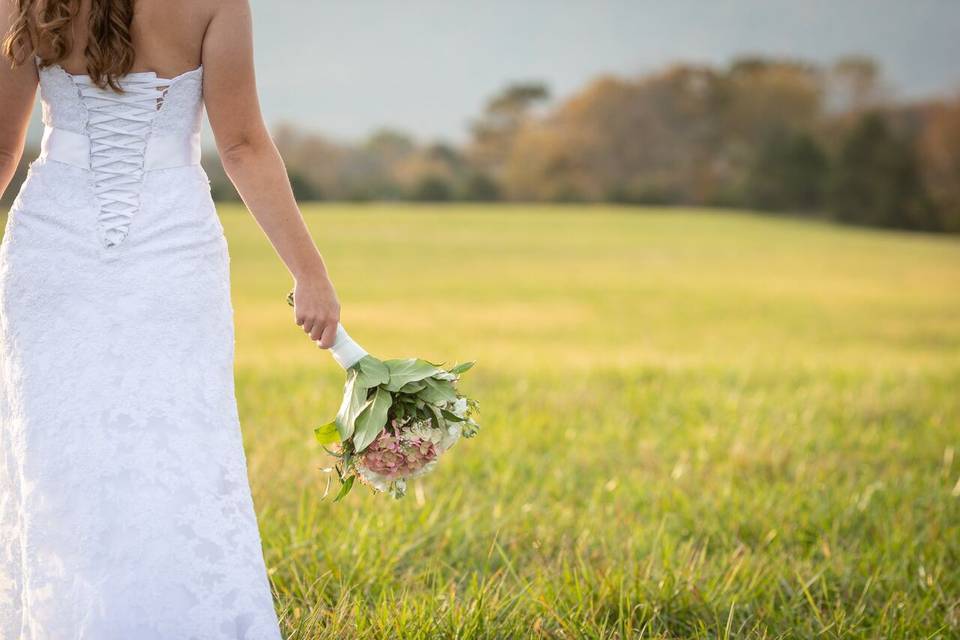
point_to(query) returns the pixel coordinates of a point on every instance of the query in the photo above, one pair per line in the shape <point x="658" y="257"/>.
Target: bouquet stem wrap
<point x="345" y="349"/>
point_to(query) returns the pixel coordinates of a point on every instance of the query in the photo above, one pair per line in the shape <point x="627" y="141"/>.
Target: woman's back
<point x="167" y="36"/>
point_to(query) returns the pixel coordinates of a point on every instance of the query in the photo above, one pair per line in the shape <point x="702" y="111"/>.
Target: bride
<point x="125" y="507"/>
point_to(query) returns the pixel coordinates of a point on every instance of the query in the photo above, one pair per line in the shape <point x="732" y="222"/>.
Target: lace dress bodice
<point x="152" y="114"/>
<point x="179" y="110"/>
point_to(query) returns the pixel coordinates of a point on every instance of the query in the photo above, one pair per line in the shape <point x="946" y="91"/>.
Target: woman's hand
<point x="316" y="309"/>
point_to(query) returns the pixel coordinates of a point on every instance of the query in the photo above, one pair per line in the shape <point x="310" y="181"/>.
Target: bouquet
<point x="396" y="419"/>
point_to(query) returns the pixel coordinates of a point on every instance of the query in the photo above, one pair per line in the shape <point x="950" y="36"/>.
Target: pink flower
<point x="392" y="458"/>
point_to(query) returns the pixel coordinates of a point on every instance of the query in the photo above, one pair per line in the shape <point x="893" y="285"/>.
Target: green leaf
<point x="438" y="391"/>
<point x="462" y="367"/>
<point x="372" y="419"/>
<point x="372" y="372"/>
<point x="409" y="370"/>
<point x="290" y="298"/>
<point x="413" y="387"/>
<point x="354" y="398"/>
<point x="436" y="418"/>
<point x="328" y="433"/>
<point x="450" y="416"/>
<point x="345" y="488"/>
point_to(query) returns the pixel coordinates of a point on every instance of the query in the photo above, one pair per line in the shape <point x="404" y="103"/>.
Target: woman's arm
<point x="253" y="164"/>
<point x="18" y="90"/>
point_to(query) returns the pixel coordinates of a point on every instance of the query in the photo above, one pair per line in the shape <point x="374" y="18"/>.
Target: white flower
<point x="459" y="407"/>
<point x="425" y="469"/>
<point x="422" y="431"/>
<point x="375" y="480"/>
<point x="450" y="436"/>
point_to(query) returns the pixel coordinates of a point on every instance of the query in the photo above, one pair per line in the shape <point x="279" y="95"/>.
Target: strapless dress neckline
<point x="132" y="74"/>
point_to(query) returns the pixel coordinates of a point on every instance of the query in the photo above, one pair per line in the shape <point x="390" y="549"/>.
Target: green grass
<point x="695" y="425"/>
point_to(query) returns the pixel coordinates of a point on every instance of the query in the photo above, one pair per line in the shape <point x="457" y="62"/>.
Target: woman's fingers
<point x="328" y="335"/>
<point x="317" y="331"/>
<point x="317" y="310"/>
<point x="322" y="330"/>
<point x="306" y="324"/>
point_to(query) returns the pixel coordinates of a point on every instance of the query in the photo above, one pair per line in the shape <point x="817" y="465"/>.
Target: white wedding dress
<point x="125" y="506"/>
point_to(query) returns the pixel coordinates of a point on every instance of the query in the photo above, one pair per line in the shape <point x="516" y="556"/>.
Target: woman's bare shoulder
<point x="228" y="6"/>
<point x="198" y="13"/>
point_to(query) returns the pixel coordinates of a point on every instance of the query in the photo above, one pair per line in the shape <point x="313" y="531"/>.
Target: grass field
<point x="695" y="425"/>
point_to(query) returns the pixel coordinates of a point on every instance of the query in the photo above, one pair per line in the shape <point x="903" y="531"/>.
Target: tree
<point x="432" y="189"/>
<point x="479" y="187"/>
<point x="504" y="116"/>
<point x="688" y="135"/>
<point x="790" y="172"/>
<point x="876" y="180"/>
<point x="390" y="145"/>
<point x="616" y="136"/>
<point x="302" y="189"/>
<point x="940" y="154"/>
<point x="854" y="85"/>
<point x="762" y="95"/>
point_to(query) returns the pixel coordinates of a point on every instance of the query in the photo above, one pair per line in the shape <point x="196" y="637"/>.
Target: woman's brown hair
<point x="43" y="28"/>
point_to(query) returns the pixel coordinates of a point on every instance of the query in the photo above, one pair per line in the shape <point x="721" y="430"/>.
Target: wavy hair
<point x="43" y="28"/>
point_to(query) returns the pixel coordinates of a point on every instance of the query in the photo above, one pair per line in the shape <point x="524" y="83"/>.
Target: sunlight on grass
<point x="695" y="425"/>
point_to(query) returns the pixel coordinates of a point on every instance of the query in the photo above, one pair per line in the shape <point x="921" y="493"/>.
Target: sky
<point x="346" y="68"/>
<point x="427" y="67"/>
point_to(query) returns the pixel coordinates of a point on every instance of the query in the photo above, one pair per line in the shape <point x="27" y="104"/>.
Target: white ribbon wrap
<point x="345" y="349"/>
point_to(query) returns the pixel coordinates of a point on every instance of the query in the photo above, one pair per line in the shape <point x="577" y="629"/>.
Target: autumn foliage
<point x="772" y="135"/>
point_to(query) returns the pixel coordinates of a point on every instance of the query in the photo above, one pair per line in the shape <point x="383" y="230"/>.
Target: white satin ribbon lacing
<point x="119" y="125"/>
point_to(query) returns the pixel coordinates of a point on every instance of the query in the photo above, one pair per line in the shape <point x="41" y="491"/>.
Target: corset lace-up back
<point x="122" y="129"/>
<point x="118" y="125"/>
